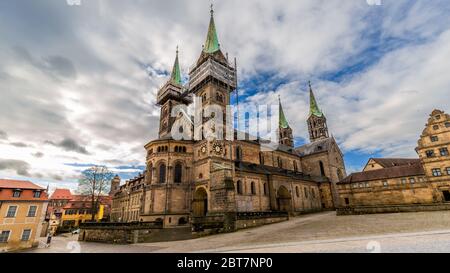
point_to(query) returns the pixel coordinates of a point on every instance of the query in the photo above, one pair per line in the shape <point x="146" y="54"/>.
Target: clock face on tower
<point x="217" y="148"/>
<point x="203" y="149"/>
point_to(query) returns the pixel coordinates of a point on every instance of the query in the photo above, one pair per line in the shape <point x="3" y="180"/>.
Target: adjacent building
<point x="22" y="213"/>
<point x="403" y="184"/>
<point x="433" y="150"/>
<point x="67" y="211"/>
<point x="127" y="199"/>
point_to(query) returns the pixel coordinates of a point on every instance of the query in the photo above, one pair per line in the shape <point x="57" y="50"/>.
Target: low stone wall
<point x="392" y="208"/>
<point x="131" y="234"/>
<point x="249" y="219"/>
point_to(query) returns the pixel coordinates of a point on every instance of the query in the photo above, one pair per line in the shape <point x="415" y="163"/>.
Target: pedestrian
<point x="49" y="239"/>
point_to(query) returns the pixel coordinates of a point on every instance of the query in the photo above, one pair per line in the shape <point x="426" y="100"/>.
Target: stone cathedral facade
<point x="187" y="181"/>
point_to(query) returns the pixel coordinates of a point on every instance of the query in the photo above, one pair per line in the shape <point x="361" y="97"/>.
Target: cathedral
<point x="220" y="180"/>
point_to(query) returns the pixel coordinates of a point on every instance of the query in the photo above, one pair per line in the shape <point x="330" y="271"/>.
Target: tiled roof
<point x="314" y="147"/>
<point x="263" y="169"/>
<point x="386" y="173"/>
<point x="61" y="194"/>
<point x="18" y="184"/>
<point x="393" y="162"/>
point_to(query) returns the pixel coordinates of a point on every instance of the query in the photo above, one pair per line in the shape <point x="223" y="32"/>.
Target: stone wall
<point x="391" y="208"/>
<point x="133" y="234"/>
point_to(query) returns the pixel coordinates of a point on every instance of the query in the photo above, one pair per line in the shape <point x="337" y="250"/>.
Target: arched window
<point x="280" y="162"/>
<point x="239" y="187"/>
<point x="178" y="173"/>
<point x="265" y="189"/>
<point x="297" y="191"/>
<point x="162" y="173"/>
<point x="184" y="149"/>
<point x="322" y="169"/>
<point x="295" y="166"/>
<point x="149" y="173"/>
<point x="261" y="158"/>
<point x="159" y="149"/>
<point x="253" y="188"/>
<point x="238" y="153"/>
<point x="176" y="149"/>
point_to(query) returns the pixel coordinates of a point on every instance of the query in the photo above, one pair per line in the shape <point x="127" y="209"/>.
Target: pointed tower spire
<point x="282" y="118"/>
<point x="212" y="42"/>
<point x="175" y="77"/>
<point x="313" y="106"/>
<point x="284" y="131"/>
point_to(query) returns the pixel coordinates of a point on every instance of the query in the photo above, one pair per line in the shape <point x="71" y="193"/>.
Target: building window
<point x="448" y="170"/>
<point x="385" y="183"/>
<point x="447" y="124"/>
<point x="420" y="179"/>
<point x="438" y="117"/>
<point x="265" y="189"/>
<point x="178" y="173"/>
<point x="162" y="173"/>
<point x="295" y="166"/>
<point x="261" y="158"/>
<point x="347" y="201"/>
<point x="253" y="188"/>
<point x="4" y="236"/>
<point x="361" y="185"/>
<point x="313" y="193"/>
<point x="238" y="153"/>
<point x="16" y="194"/>
<point x="367" y="184"/>
<point x="239" y="187"/>
<point x="434" y="138"/>
<point x="37" y="194"/>
<point x="436" y="172"/>
<point x="306" y="192"/>
<point x="430" y="153"/>
<point x="403" y="181"/>
<point x="297" y="191"/>
<point x="443" y="151"/>
<point x="11" y="212"/>
<point x="26" y="234"/>
<point x="412" y="180"/>
<point x="322" y="168"/>
<point x="32" y="211"/>
<point x="280" y="162"/>
<point x="435" y="127"/>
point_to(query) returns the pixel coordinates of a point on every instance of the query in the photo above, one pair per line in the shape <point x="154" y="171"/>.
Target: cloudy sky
<point x="78" y="82"/>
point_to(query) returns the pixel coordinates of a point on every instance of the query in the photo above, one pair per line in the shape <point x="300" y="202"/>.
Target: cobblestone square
<point x="321" y="232"/>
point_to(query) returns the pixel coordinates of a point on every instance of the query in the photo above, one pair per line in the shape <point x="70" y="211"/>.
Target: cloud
<point x="19" y="144"/>
<point x="377" y="71"/>
<point x="70" y="145"/>
<point x="38" y="154"/>
<point x="19" y="166"/>
<point x="3" y="135"/>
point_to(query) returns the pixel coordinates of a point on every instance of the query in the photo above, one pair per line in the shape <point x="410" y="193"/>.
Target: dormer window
<point x="434" y="138"/>
<point x="435" y="127"/>
<point x="437" y="117"/>
<point x="37" y="194"/>
<point x="17" y="193"/>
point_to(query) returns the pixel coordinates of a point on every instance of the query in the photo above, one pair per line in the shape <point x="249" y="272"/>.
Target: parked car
<point x="76" y="231"/>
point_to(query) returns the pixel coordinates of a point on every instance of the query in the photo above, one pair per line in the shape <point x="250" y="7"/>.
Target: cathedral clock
<point x="203" y="149"/>
<point x="217" y="148"/>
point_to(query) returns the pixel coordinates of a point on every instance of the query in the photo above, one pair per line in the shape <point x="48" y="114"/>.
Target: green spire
<point x="282" y="118"/>
<point x="212" y="42"/>
<point x="175" y="77"/>
<point x="313" y="107"/>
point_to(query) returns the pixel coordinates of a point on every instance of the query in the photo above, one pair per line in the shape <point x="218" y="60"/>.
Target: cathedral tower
<point x="170" y="95"/>
<point x="317" y="123"/>
<point x="212" y="77"/>
<point x="284" y="130"/>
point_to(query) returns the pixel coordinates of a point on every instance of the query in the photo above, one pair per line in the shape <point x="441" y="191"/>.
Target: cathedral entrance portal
<point x="200" y="203"/>
<point x="283" y="199"/>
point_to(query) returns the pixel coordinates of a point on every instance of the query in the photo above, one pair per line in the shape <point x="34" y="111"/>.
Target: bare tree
<point x="95" y="182"/>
